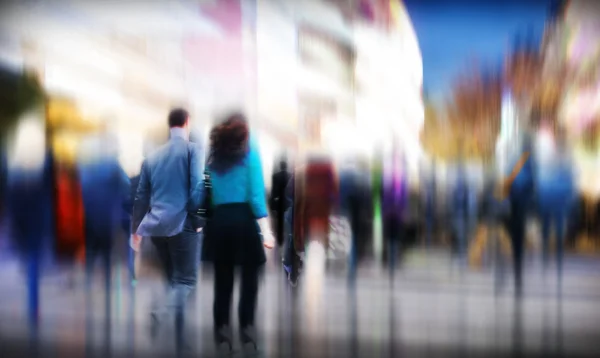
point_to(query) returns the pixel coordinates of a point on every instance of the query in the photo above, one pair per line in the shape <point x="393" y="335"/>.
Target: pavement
<point x="430" y="308"/>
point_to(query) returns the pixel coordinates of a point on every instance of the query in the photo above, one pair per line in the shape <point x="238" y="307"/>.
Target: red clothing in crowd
<point x="70" y="231"/>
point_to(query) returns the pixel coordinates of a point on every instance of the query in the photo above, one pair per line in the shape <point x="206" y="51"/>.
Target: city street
<point x="431" y="311"/>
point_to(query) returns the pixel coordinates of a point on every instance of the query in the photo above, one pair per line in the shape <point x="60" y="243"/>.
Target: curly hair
<point x="228" y="142"/>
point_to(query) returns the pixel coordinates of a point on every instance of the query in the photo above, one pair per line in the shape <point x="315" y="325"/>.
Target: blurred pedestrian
<point x="170" y="187"/>
<point x="430" y="207"/>
<point x="350" y="195"/>
<point x="319" y="191"/>
<point x="395" y="202"/>
<point x="278" y="203"/>
<point x="518" y="188"/>
<point x="105" y="191"/>
<point x="29" y="201"/>
<point x="70" y="220"/>
<point x="556" y="194"/>
<point x="464" y="213"/>
<point x="238" y="227"/>
<point x="292" y="262"/>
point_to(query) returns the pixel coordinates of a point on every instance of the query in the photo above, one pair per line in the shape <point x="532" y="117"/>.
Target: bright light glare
<point x="62" y="80"/>
<point x="29" y="147"/>
<point x="545" y="144"/>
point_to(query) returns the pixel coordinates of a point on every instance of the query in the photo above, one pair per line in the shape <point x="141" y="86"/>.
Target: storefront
<point x="321" y="68"/>
<point x="573" y="57"/>
<point x="389" y="72"/>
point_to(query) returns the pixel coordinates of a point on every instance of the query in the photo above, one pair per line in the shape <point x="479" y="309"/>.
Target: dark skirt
<point x="232" y="235"/>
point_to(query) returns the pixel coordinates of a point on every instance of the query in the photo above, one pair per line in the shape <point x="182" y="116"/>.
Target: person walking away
<point x="460" y="215"/>
<point x="350" y="206"/>
<point x="292" y="263"/>
<point x="69" y="217"/>
<point x="518" y="188"/>
<point x="320" y="191"/>
<point x="278" y="205"/>
<point x="556" y="191"/>
<point x="134" y="182"/>
<point x="105" y="190"/>
<point x="395" y="200"/>
<point x="170" y="187"/>
<point x="430" y="208"/>
<point x="238" y="227"/>
<point x="28" y="201"/>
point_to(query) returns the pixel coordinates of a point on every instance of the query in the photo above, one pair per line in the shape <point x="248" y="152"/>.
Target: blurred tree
<point x="590" y="138"/>
<point x="474" y="111"/>
<point x="432" y="131"/>
<point x="523" y="67"/>
<point x="19" y="92"/>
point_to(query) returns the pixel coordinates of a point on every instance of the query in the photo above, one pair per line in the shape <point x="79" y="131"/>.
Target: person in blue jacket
<point x="463" y="213"/>
<point x="556" y="194"/>
<point x="238" y="227"/>
<point x="29" y="213"/>
<point x="106" y="190"/>
<point x="170" y="188"/>
<point x="520" y="197"/>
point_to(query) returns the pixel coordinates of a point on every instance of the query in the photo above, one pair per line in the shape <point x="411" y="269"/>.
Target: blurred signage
<point x="134" y="44"/>
<point x="219" y="56"/>
<point x="227" y="14"/>
<point x="276" y="67"/>
<point x="314" y="112"/>
<point x="376" y="12"/>
<point x="327" y="56"/>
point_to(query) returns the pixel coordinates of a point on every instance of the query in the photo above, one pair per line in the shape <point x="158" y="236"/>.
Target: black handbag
<point x="205" y="210"/>
<point x="200" y="215"/>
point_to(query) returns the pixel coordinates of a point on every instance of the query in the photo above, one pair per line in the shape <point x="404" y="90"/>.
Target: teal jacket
<point x="244" y="183"/>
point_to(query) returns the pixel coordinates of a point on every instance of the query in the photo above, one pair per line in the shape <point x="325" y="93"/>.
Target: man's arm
<point x="196" y="190"/>
<point x="141" y="205"/>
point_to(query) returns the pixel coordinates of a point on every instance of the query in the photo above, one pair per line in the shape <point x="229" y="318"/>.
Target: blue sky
<point x="453" y="33"/>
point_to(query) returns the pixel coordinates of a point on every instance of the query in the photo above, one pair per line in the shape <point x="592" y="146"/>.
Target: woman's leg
<point x="248" y="295"/>
<point x="561" y="224"/>
<point x="546" y="226"/>
<point x="518" y="243"/>
<point x="223" y="291"/>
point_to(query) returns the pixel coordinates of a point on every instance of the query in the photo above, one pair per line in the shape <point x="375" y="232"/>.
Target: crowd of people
<point x="210" y="204"/>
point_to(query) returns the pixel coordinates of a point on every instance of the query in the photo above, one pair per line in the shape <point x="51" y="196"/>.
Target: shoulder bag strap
<point x="513" y="175"/>
<point x="189" y="180"/>
<point x="205" y="206"/>
<point x="517" y="168"/>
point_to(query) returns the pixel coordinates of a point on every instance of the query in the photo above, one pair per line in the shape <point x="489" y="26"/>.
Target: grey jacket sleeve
<point x="196" y="190"/>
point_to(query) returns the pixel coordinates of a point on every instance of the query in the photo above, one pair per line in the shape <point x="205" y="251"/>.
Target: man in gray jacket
<point x="170" y="188"/>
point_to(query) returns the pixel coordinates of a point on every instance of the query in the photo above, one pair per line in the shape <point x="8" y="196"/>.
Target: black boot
<point x="248" y="337"/>
<point x="223" y="338"/>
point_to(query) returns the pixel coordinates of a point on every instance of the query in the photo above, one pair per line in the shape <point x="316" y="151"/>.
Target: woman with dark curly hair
<point x="238" y="227"/>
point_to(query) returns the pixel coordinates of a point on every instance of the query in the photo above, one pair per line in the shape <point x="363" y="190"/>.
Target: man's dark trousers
<point x="179" y="256"/>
